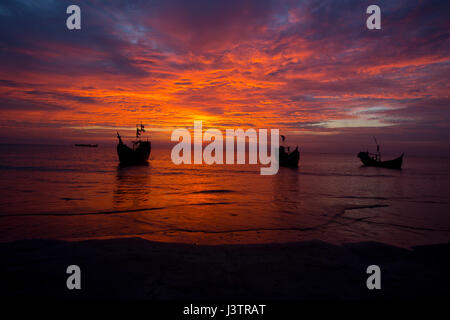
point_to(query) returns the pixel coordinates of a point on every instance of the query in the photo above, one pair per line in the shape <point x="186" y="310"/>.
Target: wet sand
<point x="134" y="268"/>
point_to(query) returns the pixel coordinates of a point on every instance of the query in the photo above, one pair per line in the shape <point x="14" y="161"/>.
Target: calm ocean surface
<point x="65" y="192"/>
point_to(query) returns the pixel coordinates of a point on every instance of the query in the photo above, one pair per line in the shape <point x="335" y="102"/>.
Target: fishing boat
<point x="374" y="159"/>
<point x="86" y="145"/>
<point x="138" y="154"/>
<point x="288" y="158"/>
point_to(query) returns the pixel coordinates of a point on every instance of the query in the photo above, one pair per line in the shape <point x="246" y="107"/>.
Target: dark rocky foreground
<point x="135" y="268"/>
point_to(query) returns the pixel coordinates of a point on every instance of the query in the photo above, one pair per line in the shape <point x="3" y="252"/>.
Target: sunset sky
<point x="310" y="68"/>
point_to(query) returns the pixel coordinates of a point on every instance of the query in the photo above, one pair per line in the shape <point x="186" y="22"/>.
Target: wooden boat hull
<point x="86" y="145"/>
<point x="138" y="156"/>
<point x="371" y="162"/>
<point x="289" y="160"/>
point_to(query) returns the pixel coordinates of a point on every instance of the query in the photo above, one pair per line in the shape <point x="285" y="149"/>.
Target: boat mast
<point x="378" y="154"/>
<point x="139" y="130"/>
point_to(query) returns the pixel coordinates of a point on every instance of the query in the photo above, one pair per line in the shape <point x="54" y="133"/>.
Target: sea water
<point x="72" y="193"/>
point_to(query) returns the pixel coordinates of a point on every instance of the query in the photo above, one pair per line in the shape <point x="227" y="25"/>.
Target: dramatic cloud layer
<point x="310" y="68"/>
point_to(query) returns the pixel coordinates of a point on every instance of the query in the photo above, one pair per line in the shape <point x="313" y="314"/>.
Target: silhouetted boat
<point x="289" y="159"/>
<point x="374" y="159"/>
<point x="86" y="145"/>
<point x="138" y="154"/>
<point x="370" y="161"/>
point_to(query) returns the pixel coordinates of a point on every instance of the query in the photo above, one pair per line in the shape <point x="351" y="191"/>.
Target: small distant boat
<point x="374" y="159"/>
<point x="288" y="158"/>
<point x="137" y="155"/>
<point x="86" y="145"/>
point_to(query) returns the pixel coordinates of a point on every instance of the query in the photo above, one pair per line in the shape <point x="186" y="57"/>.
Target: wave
<point x="68" y="214"/>
<point x="212" y="191"/>
<point x="333" y="219"/>
<point x="44" y="169"/>
<point x="407" y="199"/>
<point x="397" y="225"/>
<point x="49" y="169"/>
<point x="366" y="207"/>
<point x="334" y="174"/>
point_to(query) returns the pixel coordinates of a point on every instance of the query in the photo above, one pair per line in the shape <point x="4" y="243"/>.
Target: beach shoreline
<point x="139" y="269"/>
